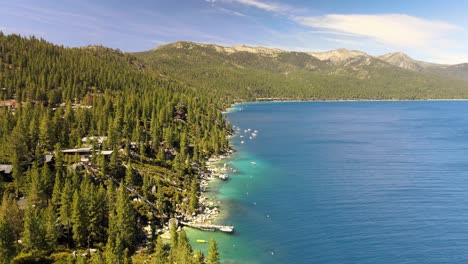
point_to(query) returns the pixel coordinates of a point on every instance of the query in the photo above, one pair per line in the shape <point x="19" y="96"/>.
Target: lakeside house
<point x="8" y="104"/>
<point x="85" y="153"/>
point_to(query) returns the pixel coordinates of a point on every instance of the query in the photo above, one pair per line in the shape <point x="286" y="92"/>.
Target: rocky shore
<point x="208" y="208"/>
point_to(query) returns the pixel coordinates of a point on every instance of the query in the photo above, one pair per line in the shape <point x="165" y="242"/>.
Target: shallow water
<point x="347" y="182"/>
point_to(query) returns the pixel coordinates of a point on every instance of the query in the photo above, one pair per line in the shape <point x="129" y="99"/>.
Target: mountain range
<point x="263" y="72"/>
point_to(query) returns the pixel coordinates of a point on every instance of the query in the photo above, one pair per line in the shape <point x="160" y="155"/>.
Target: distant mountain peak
<point x="339" y="55"/>
<point x="402" y="60"/>
<point x="226" y="49"/>
<point x="397" y="55"/>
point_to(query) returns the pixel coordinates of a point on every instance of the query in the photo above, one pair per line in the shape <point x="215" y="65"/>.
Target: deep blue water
<point x="348" y="182"/>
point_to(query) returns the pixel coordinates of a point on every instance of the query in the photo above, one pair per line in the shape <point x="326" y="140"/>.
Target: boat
<point x="253" y="163"/>
<point x="223" y="176"/>
<point x="227" y="229"/>
<point x="242" y="142"/>
<point x="201" y="241"/>
<point x="241" y="136"/>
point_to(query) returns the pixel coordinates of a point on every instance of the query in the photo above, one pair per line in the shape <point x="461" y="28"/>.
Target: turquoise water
<point x="347" y="182"/>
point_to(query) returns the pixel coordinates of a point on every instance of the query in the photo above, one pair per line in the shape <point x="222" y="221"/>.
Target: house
<point x="8" y="104"/>
<point x="86" y="153"/>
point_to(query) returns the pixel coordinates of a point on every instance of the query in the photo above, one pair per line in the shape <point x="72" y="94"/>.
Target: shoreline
<point x="209" y="204"/>
<point x="286" y="100"/>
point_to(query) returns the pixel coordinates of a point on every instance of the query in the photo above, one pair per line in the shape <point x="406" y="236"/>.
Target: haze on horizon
<point x="430" y="30"/>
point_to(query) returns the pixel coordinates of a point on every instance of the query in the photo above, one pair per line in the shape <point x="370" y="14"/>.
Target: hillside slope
<point x="252" y="73"/>
<point x="458" y="71"/>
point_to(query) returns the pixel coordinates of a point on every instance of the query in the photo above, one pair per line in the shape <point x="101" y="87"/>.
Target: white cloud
<point x="272" y="7"/>
<point x="229" y="12"/>
<point x="394" y="29"/>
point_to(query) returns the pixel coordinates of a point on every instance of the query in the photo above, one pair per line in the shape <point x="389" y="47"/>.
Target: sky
<point x="429" y="30"/>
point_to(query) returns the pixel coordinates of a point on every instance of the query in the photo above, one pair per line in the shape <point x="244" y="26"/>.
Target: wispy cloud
<point x="267" y="6"/>
<point x="394" y="29"/>
<point x="229" y="12"/>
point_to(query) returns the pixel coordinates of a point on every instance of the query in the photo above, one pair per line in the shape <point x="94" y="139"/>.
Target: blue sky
<point x="427" y="30"/>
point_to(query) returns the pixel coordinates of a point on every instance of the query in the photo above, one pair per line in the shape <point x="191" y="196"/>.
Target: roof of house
<point x="6" y="168"/>
<point x="106" y="152"/>
<point x="48" y="158"/>
<point x="78" y="150"/>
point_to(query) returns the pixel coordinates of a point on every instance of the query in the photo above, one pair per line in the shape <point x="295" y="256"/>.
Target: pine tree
<point x="36" y="195"/>
<point x="8" y="246"/>
<point x="47" y="181"/>
<point x="66" y="208"/>
<point x="160" y="256"/>
<point x="129" y="175"/>
<point x="213" y="254"/>
<point x="193" y="196"/>
<point x="45" y="133"/>
<point x="33" y="236"/>
<point x="51" y="227"/>
<point x="183" y="249"/>
<point x="79" y="220"/>
<point x="97" y="258"/>
<point x="98" y="214"/>
<point x="174" y="241"/>
<point x="125" y="217"/>
<point x="57" y="190"/>
<point x="122" y="230"/>
<point x="198" y="257"/>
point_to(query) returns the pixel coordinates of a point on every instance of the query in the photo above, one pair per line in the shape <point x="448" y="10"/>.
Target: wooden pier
<point x="225" y="229"/>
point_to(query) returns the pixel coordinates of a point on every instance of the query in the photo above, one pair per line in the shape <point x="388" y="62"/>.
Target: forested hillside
<point x="101" y="148"/>
<point x="65" y="194"/>
<point x="252" y="73"/>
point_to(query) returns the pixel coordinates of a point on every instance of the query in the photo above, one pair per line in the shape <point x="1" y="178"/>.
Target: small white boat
<point x="223" y="176"/>
<point x="255" y="131"/>
<point x="248" y="129"/>
<point x="245" y="131"/>
<point x="250" y="137"/>
<point x="253" y="163"/>
<point x="242" y="142"/>
<point x="241" y="136"/>
<point x="227" y="229"/>
<point x="254" y="135"/>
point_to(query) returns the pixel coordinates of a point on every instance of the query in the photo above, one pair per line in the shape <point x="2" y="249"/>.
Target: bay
<point x="346" y="182"/>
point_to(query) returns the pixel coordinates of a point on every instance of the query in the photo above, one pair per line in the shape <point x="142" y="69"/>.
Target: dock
<point x="221" y="228"/>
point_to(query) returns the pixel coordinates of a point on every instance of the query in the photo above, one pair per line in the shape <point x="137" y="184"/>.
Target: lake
<point x="346" y="182"/>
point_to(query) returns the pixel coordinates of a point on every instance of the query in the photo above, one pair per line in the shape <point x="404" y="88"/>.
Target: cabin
<point x="85" y="153"/>
<point x="8" y="104"/>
